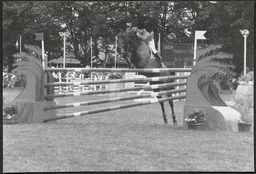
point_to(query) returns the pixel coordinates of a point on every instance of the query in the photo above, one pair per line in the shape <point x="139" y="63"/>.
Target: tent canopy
<point x="70" y="59"/>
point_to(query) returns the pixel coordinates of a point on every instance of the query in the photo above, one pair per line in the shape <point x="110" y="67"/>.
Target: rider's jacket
<point x="144" y="34"/>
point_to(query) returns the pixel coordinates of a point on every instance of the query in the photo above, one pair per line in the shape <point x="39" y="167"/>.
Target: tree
<point x="14" y="20"/>
<point x="102" y="20"/>
<point x="223" y="20"/>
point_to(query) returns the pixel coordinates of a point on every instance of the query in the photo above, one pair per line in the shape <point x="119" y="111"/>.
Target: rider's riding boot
<point x="159" y="59"/>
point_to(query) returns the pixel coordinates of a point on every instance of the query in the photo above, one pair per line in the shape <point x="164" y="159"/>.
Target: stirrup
<point x="163" y="65"/>
<point x="159" y="60"/>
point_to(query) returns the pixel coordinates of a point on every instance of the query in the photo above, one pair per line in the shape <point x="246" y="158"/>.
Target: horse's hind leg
<point x="9" y="85"/>
<point x="163" y="110"/>
<point x="173" y="114"/>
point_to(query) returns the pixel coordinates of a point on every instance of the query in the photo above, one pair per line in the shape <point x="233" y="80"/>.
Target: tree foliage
<point x="223" y="21"/>
<point x="102" y="20"/>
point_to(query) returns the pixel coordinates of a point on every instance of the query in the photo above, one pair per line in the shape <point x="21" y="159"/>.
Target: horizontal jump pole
<point x="152" y="79"/>
<point x="146" y="70"/>
<point x="160" y="86"/>
<point x="153" y="94"/>
<point x="115" y="107"/>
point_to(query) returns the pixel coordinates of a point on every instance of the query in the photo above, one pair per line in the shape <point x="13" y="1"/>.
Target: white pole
<point x="64" y="35"/>
<point x="115" y="51"/>
<point x="60" y="87"/>
<point x="20" y="43"/>
<point x="245" y="33"/>
<point x="159" y="44"/>
<point x="64" y="53"/>
<point x="195" y="46"/>
<point x="91" y="52"/>
<point x="43" y="62"/>
<point x="198" y="35"/>
<point x="245" y="55"/>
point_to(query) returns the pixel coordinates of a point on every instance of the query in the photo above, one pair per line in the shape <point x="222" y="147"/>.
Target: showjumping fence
<point x="115" y="81"/>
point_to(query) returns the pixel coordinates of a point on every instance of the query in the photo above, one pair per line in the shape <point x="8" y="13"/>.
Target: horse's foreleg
<point x="132" y="66"/>
<point x="163" y="110"/>
<point x="173" y="114"/>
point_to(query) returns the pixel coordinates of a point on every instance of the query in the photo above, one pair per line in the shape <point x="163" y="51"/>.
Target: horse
<point x="137" y="54"/>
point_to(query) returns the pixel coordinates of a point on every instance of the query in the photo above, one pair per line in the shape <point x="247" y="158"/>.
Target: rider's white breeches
<point x="151" y="45"/>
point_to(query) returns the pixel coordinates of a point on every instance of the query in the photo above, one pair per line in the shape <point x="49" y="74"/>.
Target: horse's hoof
<point x="175" y="123"/>
<point x="165" y="120"/>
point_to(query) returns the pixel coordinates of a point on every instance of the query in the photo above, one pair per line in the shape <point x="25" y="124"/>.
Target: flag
<point x="171" y="36"/>
<point x="200" y="35"/>
<point x="39" y="36"/>
<point x="187" y="32"/>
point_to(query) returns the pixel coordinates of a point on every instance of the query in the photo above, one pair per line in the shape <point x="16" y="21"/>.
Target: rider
<point x="144" y="35"/>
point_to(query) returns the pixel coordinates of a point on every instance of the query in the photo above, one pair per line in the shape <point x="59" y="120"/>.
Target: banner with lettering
<point x="179" y="55"/>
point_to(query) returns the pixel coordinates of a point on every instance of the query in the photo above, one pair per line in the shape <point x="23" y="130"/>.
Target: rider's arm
<point x="135" y="29"/>
<point x="141" y="35"/>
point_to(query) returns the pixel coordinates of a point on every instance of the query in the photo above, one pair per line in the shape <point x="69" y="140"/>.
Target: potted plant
<point x="244" y="126"/>
<point x="195" y="118"/>
<point x="244" y="101"/>
<point x="244" y="106"/>
<point x="246" y="111"/>
<point x="246" y="79"/>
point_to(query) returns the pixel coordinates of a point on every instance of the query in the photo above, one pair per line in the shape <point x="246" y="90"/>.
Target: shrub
<point x="9" y="111"/>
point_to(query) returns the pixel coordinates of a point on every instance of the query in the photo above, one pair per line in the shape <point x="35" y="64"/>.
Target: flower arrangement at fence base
<point x="9" y="111"/>
<point x="196" y="117"/>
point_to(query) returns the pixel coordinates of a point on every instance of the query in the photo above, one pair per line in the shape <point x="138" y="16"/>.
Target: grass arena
<point x="134" y="139"/>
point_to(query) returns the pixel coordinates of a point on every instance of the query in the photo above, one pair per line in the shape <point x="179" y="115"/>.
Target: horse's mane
<point x="131" y="37"/>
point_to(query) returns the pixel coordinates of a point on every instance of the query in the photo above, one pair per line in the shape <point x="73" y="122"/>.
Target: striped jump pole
<point x="153" y="94"/>
<point x="146" y="70"/>
<point x="160" y="86"/>
<point x="115" y="107"/>
<point x="152" y="79"/>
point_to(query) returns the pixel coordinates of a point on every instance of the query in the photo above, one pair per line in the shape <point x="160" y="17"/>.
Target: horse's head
<point x="122" y="44"/>
<point x="126" y="44"/>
